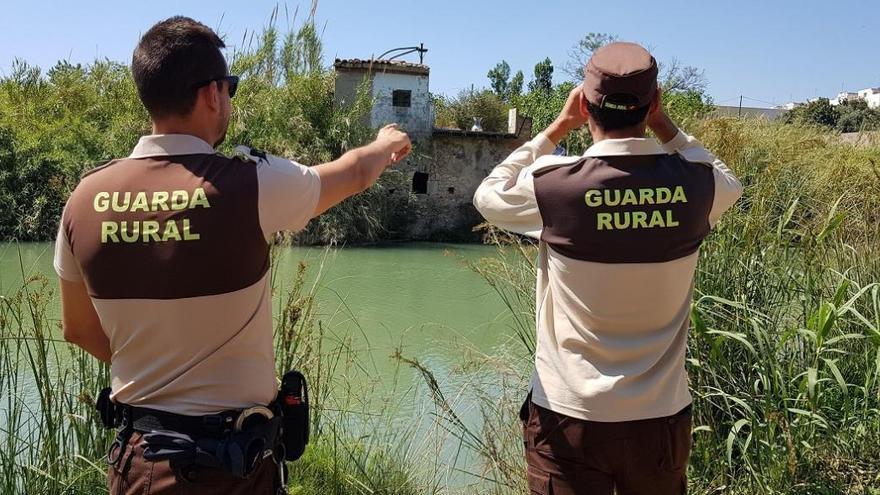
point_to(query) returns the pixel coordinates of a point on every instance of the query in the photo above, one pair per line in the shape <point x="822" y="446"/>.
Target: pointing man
<point x="164" y="265"/>
<point x="620" y="230"/>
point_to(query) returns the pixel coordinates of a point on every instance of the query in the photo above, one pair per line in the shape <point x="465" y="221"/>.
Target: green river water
<point x="420" y="298"/>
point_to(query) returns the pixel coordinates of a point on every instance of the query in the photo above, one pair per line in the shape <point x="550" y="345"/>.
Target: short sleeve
<point x="65" y="264"/>
<point x="288" y="193"/>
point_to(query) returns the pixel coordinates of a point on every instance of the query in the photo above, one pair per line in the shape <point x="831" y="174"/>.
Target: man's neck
<point x="179" y="126"/>
<point x="601" y="135"/>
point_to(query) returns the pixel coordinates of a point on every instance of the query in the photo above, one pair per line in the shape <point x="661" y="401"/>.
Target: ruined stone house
<point x="448" y="164"/>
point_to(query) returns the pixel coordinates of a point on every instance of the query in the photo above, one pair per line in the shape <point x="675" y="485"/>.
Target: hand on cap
<point x="570" y="118"/>
<point x="660" y="123"/>
<point x="394" y="141"/>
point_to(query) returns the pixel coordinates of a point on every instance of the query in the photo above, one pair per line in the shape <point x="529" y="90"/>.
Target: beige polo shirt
<point x="620" y="230"/>
<point x="171" y="243"/>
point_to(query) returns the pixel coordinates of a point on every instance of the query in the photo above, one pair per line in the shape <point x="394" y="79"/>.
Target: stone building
<point x="446" y="165"/>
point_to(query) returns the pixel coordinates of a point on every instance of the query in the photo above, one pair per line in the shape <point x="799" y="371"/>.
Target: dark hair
<point x="612" y="119"/>
<point x="171" y="59"/>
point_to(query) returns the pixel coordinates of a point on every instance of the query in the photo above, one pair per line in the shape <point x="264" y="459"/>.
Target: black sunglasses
<point x="232" y="80"/>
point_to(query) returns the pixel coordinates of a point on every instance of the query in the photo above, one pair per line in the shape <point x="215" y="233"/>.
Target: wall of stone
<point x="455" y="164"/>
<point x="417" y="120"/>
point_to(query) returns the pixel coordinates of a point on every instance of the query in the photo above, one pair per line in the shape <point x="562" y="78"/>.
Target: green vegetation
<point x="849" y="116"/>
<point x="58" y="124"/>
<point x="784" y="351"/>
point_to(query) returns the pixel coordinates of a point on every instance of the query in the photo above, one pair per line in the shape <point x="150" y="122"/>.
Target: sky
<point x="771" y="52"/>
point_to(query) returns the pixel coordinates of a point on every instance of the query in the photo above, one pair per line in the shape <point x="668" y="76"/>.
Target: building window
<point x="401" y="98"/>
<point x="450" y="190"/>
<point x="420" y="183"/>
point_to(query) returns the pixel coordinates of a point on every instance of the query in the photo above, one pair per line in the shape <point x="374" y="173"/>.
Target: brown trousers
<point x="570" y="456"/>
<point x="135" y="475"/>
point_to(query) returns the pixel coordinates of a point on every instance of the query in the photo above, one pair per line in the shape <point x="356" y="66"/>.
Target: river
<point x="420" y="298"/>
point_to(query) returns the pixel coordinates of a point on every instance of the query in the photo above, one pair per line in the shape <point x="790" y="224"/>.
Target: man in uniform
<point x="164" y="264"/>
<point x="619" y="229"/>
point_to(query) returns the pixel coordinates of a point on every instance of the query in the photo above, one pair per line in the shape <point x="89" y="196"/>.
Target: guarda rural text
<point x="620" y="220"/>
<point x="149" y="230"/>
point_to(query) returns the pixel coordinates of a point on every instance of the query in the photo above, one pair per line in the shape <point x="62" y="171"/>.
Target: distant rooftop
<point x="394" y="66"/>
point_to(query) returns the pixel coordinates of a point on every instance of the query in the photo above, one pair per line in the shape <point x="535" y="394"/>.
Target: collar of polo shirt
<point x="171" y="144"/>
<point x="625" y="146"/>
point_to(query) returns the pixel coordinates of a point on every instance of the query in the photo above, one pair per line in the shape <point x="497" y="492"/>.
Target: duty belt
<point x="234" y="441"/>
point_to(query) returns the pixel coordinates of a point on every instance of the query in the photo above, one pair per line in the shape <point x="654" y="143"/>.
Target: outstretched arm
<point x="358" y="169"/>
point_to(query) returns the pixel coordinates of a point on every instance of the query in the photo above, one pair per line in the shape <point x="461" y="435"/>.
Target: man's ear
<point x="585" y="110"/>
<point x="211" y="94"/>
<point x="657" y="101"/>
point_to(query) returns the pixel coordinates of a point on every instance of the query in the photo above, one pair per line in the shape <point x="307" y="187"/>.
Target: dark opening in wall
<point x="401" y="98"/>
<point x="420" y="183"/>
<point x="450" y="190"/>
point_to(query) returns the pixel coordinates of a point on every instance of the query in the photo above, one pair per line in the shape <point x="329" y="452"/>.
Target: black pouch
<point x="107" y="409"/>
<point x="293" y="400"/>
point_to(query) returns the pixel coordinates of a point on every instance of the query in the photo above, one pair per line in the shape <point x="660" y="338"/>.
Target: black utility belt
<point x="235" y="440"/>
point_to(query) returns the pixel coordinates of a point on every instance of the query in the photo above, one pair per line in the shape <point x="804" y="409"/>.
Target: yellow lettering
<point x="616" y="200"/>
<point x="129" y="235"/>
<point x="663" y="195"/>
<point x="670" y="222"/>
<point x="629" y="198"/>
<point x="108" y="231"/>
<point x="140" y="202"/>
<point x="640" y="219"/>
<point x="179" y="200"/>
<point x="199" y="199"/>
<point x="621" y="224"/>
<point x="603" y="221"/>
<point x="187" y="233"/>
<point x="646" y="196"/>
<point x="151" y="231"/>
<point x="593" y="198"/>
<point x="656" y="219"/>
<point x="121" y="207"/>
<point x="160" y="201"/>
<point x="171" y="233"/>
<point x="678" y="196"/>
<point x="102" y="202"/>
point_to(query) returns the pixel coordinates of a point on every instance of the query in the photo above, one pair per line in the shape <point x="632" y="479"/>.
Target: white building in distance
<point x="871" y="96"/>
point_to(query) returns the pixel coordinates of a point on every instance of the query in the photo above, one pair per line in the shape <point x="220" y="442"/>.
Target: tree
<point x="516" y="85"/>
<point x="499" y="79"/>
<point x="580" y="53"/>
<point x="855" y="116"/>
<point x="543" y="81"/>
<point x="674" y="76"/>
<point x="459" y="112"/>
<point x="817" y="112"/>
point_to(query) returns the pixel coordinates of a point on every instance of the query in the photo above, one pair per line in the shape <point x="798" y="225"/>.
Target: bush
<point x="459" y="112"/>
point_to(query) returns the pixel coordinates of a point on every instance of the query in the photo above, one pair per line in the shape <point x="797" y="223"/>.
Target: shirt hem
<point x="609" y="416"/>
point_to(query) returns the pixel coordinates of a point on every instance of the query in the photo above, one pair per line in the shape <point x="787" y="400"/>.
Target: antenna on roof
<point x="406" y="50"/>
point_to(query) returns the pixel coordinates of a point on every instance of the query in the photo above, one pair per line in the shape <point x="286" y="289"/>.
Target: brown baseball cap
<point x="620" y="76"/>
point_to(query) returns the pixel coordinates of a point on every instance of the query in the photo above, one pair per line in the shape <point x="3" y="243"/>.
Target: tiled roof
<point x="381" y="66"/>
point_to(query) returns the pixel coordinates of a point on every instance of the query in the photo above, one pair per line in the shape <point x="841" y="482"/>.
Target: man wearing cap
<point x="620" y="229"/>
<point x="164" y="263"/>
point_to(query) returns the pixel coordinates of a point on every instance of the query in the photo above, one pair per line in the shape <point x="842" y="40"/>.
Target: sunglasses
<point x="232" y="80"/>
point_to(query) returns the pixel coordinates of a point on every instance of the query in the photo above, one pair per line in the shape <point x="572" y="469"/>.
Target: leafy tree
<point x="817" y="112"/>
<point x="580" y="53"/>
<point x="516" y="85"/>
<point x="499" y="79"/>
<point x="459" y="112"/>
<point x="855" y="116"/>
<point x="543" y="81"/>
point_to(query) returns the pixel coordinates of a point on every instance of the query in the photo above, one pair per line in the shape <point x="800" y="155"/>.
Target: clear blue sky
<point x="774" y="51"/>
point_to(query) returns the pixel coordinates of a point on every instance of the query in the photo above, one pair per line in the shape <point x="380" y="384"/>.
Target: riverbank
<point x="784" y="352"/>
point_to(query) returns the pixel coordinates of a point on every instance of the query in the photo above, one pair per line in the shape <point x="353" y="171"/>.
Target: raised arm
<point x="728" y="188"/>
<point x="506" y="197"/>
<point x="358" y="169"/>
